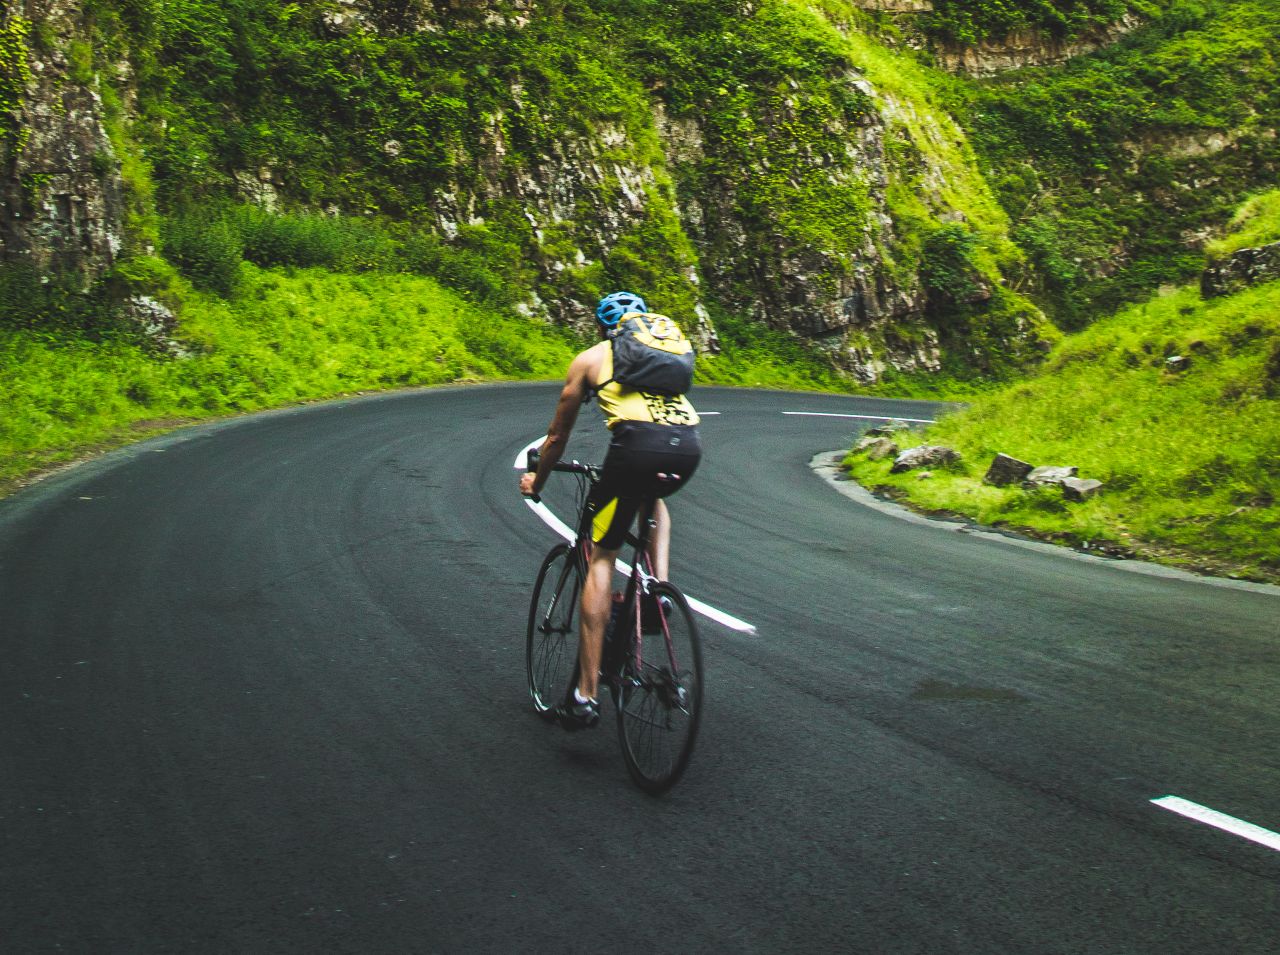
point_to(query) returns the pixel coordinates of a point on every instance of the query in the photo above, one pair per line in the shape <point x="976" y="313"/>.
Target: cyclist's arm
<point x="576" y="388"/>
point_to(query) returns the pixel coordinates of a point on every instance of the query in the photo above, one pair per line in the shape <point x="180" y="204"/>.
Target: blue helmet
<point x="612" y="307"/>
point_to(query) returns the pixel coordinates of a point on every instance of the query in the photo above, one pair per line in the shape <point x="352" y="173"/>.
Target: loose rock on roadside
<point x="925" y="456"/>
<point x="1080" y="489"/>
<point x="1048" y="474"/>
<point x="888" y="429"/>
<point x="1006" y="470"/>
<point x="876" y="448"/>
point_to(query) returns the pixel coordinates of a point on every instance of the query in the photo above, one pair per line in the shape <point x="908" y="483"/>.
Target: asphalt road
<point x="262" y="689"/>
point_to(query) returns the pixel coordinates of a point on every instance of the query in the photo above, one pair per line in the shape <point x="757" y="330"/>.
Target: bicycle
<point x="657" y="697"/>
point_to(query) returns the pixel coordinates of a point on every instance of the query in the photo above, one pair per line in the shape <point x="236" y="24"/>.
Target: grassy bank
<point x="291" y="336"/>
<point x="1190" y="458"/>
<point x="284" y="338"/>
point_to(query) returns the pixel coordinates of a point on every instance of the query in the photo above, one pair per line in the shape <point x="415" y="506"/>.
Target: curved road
<point x="262" y="690"/>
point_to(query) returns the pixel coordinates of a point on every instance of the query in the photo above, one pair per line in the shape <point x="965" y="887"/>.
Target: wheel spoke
<point x="551" y="644"/>
<point x="658" y="721"/>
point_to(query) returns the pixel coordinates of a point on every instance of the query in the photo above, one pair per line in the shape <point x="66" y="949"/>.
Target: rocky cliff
<point x="1021" y="49"/>
<point x="1242" y="268"/>
<point x="59" y="184"/>
<point x="728" y="159"/>
<point x="983" y="39"/>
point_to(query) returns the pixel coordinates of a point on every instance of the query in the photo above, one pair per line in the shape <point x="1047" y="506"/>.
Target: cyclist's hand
<point x="526" y="484"/>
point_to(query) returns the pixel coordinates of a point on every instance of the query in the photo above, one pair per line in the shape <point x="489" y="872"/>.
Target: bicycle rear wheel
<point x="661" y="700"/>
<point x="551" y="647"/>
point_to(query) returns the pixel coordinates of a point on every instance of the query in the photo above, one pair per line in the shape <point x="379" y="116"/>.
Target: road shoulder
<point x="826" y="464"/>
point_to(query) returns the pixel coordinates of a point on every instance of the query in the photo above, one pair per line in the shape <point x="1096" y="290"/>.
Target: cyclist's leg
<point x="639" y="464"/>
<point x="596" y="592"/>
<point x="606" y="518"/>
<point x="660" y="540"/>
<point x="665" y="484"/>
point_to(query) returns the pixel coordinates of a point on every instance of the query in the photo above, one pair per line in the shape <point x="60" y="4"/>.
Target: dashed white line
<point x="1220" y="820"/>
<point x="860" y="417"/>
<point x="560" y="527"/>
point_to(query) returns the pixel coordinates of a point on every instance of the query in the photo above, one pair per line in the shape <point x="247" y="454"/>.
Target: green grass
<point x="1190" y="460"/>
<point x="1256" y="223"/>
<point x="284" y="338"/>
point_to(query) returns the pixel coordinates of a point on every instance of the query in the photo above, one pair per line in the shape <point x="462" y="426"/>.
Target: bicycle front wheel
<point x="661" y="700"/>
<point x="551" y="647"/>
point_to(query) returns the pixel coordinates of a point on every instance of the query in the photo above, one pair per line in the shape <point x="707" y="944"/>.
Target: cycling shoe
<point x="578" y="716"/>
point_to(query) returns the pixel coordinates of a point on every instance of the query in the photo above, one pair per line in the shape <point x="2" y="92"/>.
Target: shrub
<point x="967" y="21"/>
<point x="208" y="242"/>
<point x="948" y="267"/>
<point x="205" y="247"/>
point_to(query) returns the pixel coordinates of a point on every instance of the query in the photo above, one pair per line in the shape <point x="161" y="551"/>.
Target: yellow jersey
<point x="619" y="403"/>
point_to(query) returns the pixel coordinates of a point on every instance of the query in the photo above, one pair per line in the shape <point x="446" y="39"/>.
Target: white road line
<point x="719" y="616"/>
<point x="860" y="417"/>
<point x="563" y="529"/>
<point x="553" y="522"/>
<point x="1220" y="820"/>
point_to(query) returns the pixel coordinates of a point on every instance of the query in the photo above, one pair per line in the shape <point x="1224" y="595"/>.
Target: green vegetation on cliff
<point x="394" y="112"/>
<point x="450" y="129"/>
<point x="1189" y="452"/>
<point x="15" y="71"/>
<point x="383" y="117"/>
<point x="1116" y="166"/>
<point x="1109" y="169"/>
<point x="1256" y="222"/>
<point x="971" y="21"/>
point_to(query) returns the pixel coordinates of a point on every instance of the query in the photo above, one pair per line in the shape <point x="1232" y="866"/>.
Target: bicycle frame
<point x="641" y="578"/>
<point x="640" y="571"/>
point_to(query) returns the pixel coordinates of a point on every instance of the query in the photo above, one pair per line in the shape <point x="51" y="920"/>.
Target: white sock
<point x="577" y="695"/>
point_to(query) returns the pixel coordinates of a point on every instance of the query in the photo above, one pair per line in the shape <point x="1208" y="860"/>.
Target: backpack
<point x="651" y="354"/>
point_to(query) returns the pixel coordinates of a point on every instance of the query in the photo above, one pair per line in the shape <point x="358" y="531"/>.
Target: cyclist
<point x="654" y="449"/>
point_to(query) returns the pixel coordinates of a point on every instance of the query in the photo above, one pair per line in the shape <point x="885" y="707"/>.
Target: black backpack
<point x="651" y="354"/>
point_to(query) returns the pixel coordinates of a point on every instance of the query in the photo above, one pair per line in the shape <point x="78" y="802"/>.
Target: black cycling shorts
<point x="644" y="460"/>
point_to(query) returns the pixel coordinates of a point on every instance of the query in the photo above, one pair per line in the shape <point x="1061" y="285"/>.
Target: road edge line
<point x="1219" y="820"/>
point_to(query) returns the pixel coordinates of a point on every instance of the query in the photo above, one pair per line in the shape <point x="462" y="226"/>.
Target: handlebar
<point x="592" y="471"/>
<point x="577" y="467"/>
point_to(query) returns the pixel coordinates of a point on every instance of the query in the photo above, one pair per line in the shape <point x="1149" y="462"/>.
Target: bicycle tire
<point x="661" y="707"/>
<point x="551" y="643"/>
